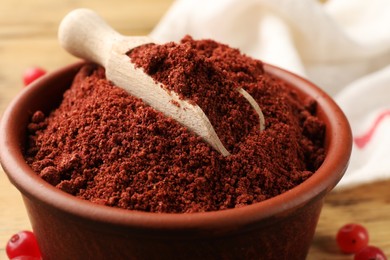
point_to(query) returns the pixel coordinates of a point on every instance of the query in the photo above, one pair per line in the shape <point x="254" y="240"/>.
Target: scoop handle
<point x="86" y="35"/>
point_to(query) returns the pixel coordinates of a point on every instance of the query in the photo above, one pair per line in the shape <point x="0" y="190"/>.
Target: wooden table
<point x="28" y="37"/>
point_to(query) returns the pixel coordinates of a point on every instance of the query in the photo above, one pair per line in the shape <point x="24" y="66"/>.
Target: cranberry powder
<point x="104" y="145"/>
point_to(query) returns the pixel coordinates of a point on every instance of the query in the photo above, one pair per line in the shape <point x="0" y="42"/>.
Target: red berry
<point x="23" y="257"/>
<point x="23" y="244"/>
<point x="370" y="253"/>
<point x="352" y="238"/>
<point x="32" y="74"/>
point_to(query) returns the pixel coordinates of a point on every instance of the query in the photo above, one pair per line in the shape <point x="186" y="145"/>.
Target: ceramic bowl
<point x="70" y="228"/>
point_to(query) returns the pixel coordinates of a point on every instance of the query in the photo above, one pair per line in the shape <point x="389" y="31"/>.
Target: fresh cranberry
<point x="352" y="238"/>
<point x="370" y="253"/>
<point x="23" y="244"/>
<point x="24" y="257"/>
<point x="31" y="74"/>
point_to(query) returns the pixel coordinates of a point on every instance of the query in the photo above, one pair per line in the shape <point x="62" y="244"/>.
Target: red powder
<point x="108" y="147"/>
<point x="194" y="70"/>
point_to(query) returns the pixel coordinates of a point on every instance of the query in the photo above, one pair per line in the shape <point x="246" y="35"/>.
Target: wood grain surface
<point x="28" y="37"/>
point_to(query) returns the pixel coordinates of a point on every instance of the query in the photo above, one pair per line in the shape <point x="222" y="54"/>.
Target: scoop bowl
<point x="70" y="228"/>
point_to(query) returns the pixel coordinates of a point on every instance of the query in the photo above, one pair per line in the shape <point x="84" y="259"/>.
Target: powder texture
<point x="104" y="145"/>
<point x="199" y="72"/>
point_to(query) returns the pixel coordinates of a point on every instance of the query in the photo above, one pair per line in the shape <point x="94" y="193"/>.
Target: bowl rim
<point x="339" y="146"/>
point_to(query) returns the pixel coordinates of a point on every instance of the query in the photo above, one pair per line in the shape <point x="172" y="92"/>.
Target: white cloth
<point x="341" y="45"/>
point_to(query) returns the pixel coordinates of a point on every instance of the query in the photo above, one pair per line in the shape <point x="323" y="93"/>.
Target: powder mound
<point x="104" y="145"/>
<point x="195" y="70"/>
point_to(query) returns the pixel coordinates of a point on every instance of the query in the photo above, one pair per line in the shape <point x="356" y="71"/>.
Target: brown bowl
<point x="70" y="228"/>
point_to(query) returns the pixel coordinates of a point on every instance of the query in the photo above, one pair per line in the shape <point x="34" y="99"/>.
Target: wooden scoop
<point x="84" y="34"/>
